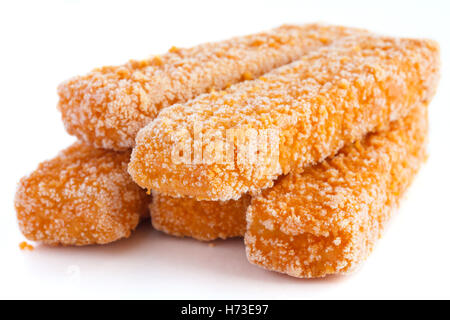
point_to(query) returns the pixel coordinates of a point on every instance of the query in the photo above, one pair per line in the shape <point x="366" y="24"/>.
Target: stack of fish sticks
<point x="302" y="140"/>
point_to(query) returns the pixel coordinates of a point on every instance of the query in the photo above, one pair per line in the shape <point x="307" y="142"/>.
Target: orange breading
<point x="108" y="106"/>
<point x="206" y="220"/>
<point x="25" y="246"/>
<point x="202" y="220"/>
<point x="316" y="105"/>
<point x="329" y="98"/>
<point x="83" y="196"/>
<point x="326" y="219"/>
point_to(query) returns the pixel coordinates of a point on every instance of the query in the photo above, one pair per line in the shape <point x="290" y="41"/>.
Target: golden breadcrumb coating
<point x="327" y="99"/>
<point x="108" y="106"/>
<point x="83" y="196"/>
<point x="209" y="220"/>
<point x="202" y="220"/>
<point x="25" y="246"/>
<point x="326" y="219"/>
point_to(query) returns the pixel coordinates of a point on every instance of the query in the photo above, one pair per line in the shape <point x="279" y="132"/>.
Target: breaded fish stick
<point x="327" y="219"/>
<point x="201" y="220"/>
<point x="107" y="107"/>
<point x="316" y="105"/>
<point x="209" y="220"/>
<point x="83" y="196"/>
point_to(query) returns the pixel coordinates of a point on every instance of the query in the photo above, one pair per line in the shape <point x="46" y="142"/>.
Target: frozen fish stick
<point x="83" y="196"/>
<point x="201" y="220"/>
<point x="327" y="219"/>
<point x="209" y="220"/>
<point x="107" y="107"/>
<point x="316" y="105"/>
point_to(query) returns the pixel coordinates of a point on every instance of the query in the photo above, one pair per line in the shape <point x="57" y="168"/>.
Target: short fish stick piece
<point x="83" y="196"/>
<point x="201" y="220"/>
<point x="327" y="219"/>
<point x="313" y="107"/>
<point x="107" y="107"/>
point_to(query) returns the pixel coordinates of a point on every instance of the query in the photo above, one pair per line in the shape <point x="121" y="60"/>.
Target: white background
<point x="43" y="43"/>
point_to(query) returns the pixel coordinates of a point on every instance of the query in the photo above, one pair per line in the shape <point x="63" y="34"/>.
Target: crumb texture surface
<point x="327" y="219"/>
<point x="83" y="196"/>
<point x="108" y="106"/>
<point x="202" y="220"/>
<point x="330" y="97"/>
